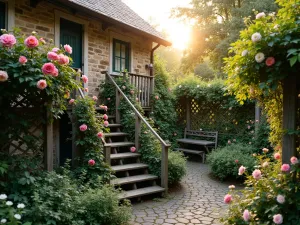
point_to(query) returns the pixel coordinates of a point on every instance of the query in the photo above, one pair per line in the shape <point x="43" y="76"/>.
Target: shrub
<point x="271" y="195"/>
<point x="225" y="161"/>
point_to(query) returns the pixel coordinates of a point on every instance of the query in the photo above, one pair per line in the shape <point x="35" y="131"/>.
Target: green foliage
<point x="260" y="197"/>
<point x="90" y="146"/>
<point x="224" y="162"/>
<point x="249" y="78"/>
<point x="204" y="71"/>
<point x="150" y="147"/>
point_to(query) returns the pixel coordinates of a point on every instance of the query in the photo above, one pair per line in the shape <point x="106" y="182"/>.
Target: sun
<point x="179" y="35"/>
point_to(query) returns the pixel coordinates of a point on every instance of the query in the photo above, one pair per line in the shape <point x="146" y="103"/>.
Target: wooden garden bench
<point x="213" y="136"/>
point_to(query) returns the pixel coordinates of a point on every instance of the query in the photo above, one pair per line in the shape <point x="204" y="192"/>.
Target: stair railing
<point x="138" y="120"/>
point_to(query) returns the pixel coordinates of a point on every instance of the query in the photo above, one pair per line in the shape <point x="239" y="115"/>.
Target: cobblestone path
<point x="197" y="200"/>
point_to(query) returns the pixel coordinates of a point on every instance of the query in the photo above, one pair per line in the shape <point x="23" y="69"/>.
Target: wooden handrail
<point x="138" y="119"/>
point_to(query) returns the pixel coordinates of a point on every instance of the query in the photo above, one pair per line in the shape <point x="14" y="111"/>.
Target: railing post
<point x="118" y="99"/>
<point x="49" y="144"/>
<point x="107" y="151"/>
<point x="137" y="131"/>
<point x="164" y="168"/>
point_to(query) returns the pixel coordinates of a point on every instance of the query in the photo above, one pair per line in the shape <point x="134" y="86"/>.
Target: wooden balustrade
<point x="138" y="121"/>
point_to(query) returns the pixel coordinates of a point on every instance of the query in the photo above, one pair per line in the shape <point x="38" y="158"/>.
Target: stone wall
<point x="42" y="20"/>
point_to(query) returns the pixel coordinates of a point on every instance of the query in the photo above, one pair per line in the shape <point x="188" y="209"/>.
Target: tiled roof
<point x="119" y="11"/>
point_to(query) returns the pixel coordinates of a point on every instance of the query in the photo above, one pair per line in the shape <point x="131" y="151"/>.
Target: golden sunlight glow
<point x="158" y="12"/>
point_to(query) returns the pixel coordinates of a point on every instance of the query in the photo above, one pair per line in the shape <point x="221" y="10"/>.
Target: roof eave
<point x="104" y="18"/>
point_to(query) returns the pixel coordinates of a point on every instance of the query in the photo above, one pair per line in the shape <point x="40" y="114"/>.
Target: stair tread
<point x="115" y="134"/>
<point x="133" y="179"/>
<point x="120" y="144"/>
<point x="114" y="125"/>
<point x="189" y="150"/>
<point x="124" y="155"/>
<point x="141" y="192"/>
<point x="126" y="167"/>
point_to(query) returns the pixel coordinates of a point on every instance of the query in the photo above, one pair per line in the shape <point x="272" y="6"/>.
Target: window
<point x="121" y="52"/>
<point x="2" y="15"/>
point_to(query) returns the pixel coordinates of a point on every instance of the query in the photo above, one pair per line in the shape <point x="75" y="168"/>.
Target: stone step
<point x="119" y="144"/>
<point x="111" y="125"/>
<point x="133" y="179"/>
<point x="126" y="167"/>
<point x="115" y="134"/>
<point x="140" y="192"/>
<point x="124" y="155"/>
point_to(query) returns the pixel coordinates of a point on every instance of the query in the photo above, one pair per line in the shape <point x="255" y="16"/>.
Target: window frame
<point x="127" y="58"/>
<point x="10" y="14"/>
<point x="5" y="13"/>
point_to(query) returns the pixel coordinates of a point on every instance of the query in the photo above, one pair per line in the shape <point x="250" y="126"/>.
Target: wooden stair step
<point x="126" y="167"/>
<point x="141" y="192"/>
<point x="114" y="125"/>
<point x="115" y="134"/>
<point x="119" y="144"/>
<point x="133" y="179"/>
<point x="189" y="151"/>
<point x="124" y="155"/>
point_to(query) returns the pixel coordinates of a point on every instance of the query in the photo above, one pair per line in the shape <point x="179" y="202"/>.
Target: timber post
<point x="164" y="168"/>
<point x="49" y="143"/>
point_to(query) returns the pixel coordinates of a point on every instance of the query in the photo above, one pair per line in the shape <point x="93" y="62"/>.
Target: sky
<point x="158" y="12"/>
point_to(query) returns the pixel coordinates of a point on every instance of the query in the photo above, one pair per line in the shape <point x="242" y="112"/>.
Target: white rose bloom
<point x="256" y="37"/>
<point x="3" y="221"/>
<point x="260" y="15"/>
<point x="198" y="86"/>
<point x="21" y="206"/>
<point x="17" y="216"/>
<point x="179" y="86"/>
<point x="259" y="57"/>
<point x="3" y="76"/>
<point x="276" y="27"/>
<point x="244" y="53"/>
<point x="9" y="203"/>
<point x="3" y="196"/>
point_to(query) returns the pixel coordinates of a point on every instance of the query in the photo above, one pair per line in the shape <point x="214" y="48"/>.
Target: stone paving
<point x="197" y="200"/>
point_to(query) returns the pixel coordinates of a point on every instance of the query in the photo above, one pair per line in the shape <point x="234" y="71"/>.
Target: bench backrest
<point x="199" y="133"/>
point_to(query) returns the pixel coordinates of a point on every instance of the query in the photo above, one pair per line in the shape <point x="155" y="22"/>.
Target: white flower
<point x="260" y="15"/>
<point x="9" y="203"/>
<point x="259" y="57"/>
<point x="265" y="164"/>
<point x="198" y="86"/>
<point x="231" y="187"/>
<point x="3" y="221"/>
<point x="3" y="196"/>
<point x="17" y="216"/>
<point x="280" y="199"/>
<point x="208" y="85"/>
<point x="3" y="76"/>
<point x="179" y="86"/>
<point x="276" y="27"/>
<point x="245" y="52"/>
<point x="21" y="206"/>
<point x="256" y="37"/>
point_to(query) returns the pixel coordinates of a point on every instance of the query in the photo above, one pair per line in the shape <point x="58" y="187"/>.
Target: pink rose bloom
<point x="71" y="101"/>
<point x="3" y="76"/>
<point x="83" y="127"/>
<point x="236" y="161"/>
<point x="280" y="199"/>
<point x="8" y="40"/>
<point x="137" y="99"/>
<point x="52" y="56"/>
<point x="249" y="127"/>
<point x="86" y="90"/>
<point x="55" y="73"/>
<point x="31" y="42"/>
<point x="95" y="98"/>
<point x="42" y="40"/>
<point x="229" y="142"/>
<point x="104" y="107"/>
<point x="41" y="84"/>
<point x="265" y="164"/>
<point x="256" y="174"/>
<point x="294" y="160"/>
<point x="175" y="134"/>
<point x="106" y="123"/>
<point x="22" y="60"/>
<point x="285" y="168"/>
<point x="270" y="61"/>
<point x="55" y="50"/>
<point x="132" y="149"/>
<point x="63" y="59"/>
<point x="84" y="78"/>
<point x="260" y="15"/>
<point x="105" y="117"/>
<point x="242" y="170"/>
<point x="277" y="156"/>
<point x="123" y="87"/>
<point x="68" y="49"/>
<point x="48" y="69"/>
<point x="100" y="135"/>
<point x="91" y="162"/>
<point x="227" y="198"/>
<point x="156" y="97"/>
<point x="246" y="215"/>
<point x="108" y="99"/>
<point x="265" y="150"/>
<point x="132" y="92"/>
<point x="278" y="219"/>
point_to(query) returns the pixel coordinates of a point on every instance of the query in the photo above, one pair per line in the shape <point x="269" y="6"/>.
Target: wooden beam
<point x="289" y="117"/>
<point x="49" y="145"/>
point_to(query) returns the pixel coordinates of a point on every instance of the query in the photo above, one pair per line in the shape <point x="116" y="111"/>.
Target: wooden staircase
<point x="132" y="175"/>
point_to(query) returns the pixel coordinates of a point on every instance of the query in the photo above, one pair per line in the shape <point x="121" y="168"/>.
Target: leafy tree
<point x="205" y="71"/>
<point x="216" y="24"/>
